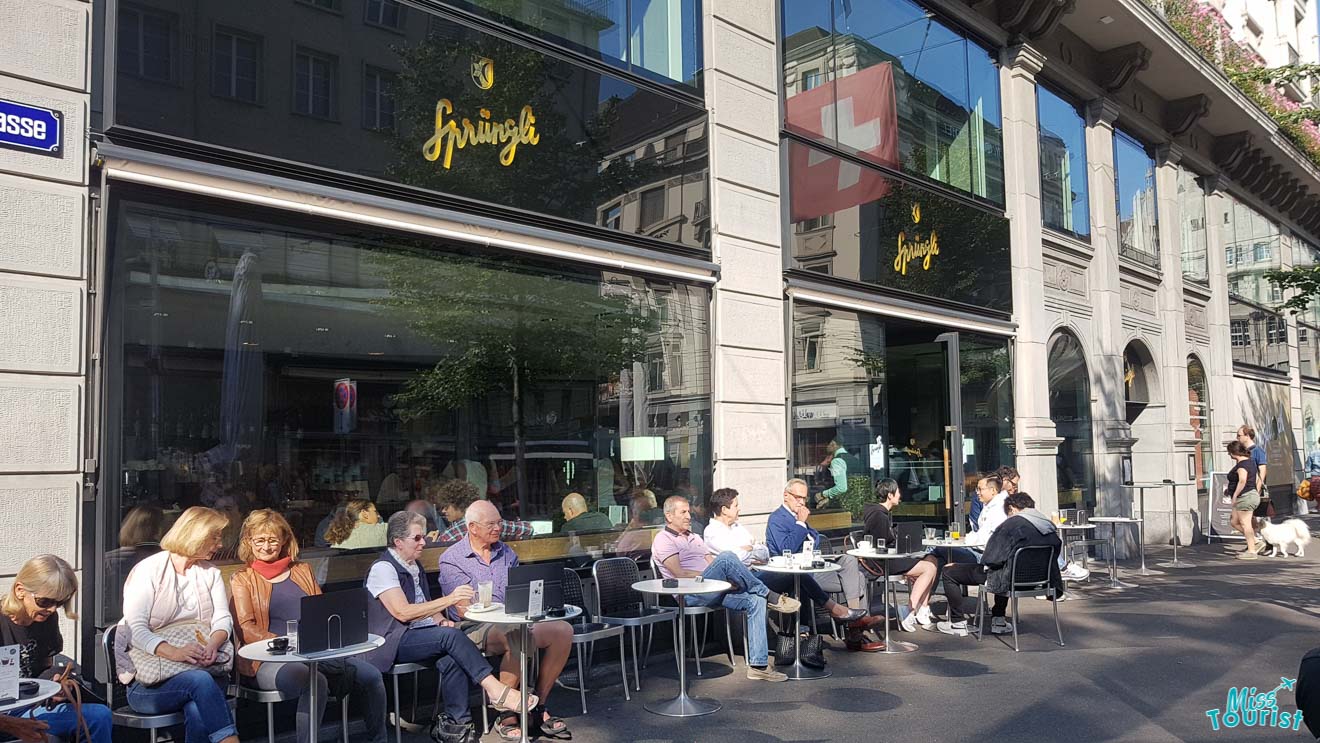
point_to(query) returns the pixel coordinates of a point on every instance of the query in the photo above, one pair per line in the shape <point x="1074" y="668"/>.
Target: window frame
<point x="1083" y="236"/>
<point x="142" y="11"/>
<point x="384" y="76"/>
<point x="235" y="34"/>
<point x="380" y="23"/>
<point x="333" y="113"/>
<point x="1135" y="254"/>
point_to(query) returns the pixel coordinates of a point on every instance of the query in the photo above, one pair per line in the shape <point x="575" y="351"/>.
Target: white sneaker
<point x="958" y="629"/>
<point x="1062" y="597"/>
<point x="923" y="618"/>
<point x="907" y="619"/>
<point x="1000" y="626"/>
<point x="1075" y="572"/>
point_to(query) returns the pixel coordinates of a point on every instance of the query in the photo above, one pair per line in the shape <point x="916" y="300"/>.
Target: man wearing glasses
<point x="480" y="557"/>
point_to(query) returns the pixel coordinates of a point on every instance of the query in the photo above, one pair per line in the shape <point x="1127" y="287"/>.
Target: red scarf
<point x="271" y="570"/>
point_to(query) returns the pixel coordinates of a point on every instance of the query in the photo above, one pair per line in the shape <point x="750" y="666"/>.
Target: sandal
<point x="550" y="726"/>
<point x="506" y="726"/>
<point x="501" y="705"/>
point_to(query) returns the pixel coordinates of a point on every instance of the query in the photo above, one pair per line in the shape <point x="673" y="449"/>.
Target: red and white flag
<point x="862" y="109"/>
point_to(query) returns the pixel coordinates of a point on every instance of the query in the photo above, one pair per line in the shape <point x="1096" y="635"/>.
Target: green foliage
<point x="1304" y="279"/>
<point x="860" y="492"/>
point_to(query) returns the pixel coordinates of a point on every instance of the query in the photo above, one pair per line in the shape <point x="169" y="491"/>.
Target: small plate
<point x="478" y="609"/>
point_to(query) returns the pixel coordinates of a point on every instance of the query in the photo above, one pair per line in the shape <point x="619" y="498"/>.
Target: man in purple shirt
<point x="481" y="556"/>
<point x="681" y="554"/>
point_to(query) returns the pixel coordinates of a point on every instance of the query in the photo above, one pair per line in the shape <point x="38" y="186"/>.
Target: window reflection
<point x="889" y="82"/>
<point x="1070" y="410"/>
<point x="1193" y="235"/>
<point x="1063" y="191"/>
<point x="1138" y="218"/>
<point x="329" y="371"/>
<point x="1198" y="413"/>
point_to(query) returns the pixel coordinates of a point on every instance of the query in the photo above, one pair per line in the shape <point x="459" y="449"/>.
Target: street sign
<point x="31" y="128"/>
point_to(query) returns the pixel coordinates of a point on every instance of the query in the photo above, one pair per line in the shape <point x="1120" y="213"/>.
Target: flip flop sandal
<point x="550" y="726"/>
<point x="507" y="726"/>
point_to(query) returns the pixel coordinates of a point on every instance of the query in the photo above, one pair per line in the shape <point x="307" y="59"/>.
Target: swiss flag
<point x="862" y="107"/>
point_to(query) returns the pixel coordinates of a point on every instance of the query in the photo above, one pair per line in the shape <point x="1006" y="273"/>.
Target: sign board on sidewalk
<point x="31" y="128"/>
<point x="1221" y="507"/>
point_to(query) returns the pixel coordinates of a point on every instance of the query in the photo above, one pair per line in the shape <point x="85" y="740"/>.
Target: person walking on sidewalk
<point x="1242" y="484"/>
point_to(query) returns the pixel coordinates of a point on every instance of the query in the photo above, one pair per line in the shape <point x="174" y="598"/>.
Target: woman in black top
<point x="1242" y="491"/>
<point x="919" y="573"/>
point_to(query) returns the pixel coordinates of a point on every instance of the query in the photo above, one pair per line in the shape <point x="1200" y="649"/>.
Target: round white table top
<point x="830" y="567"/>
<point x="685" y="587"/>
<point x="944" y="542"/>
<point x="45" y="690"/>
<point x="1066" y="527"/>
<point x="1113" y="520"/>
<point x="256" y="651"/>
<point x="497" y="616"/>
<point x="868" y="555"/>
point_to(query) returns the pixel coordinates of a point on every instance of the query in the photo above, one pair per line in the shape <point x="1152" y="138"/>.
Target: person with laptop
<point x="919" y="573"/>
<point x="482" y="556"/>
<point x="453" y="497"/>
<point x="268" y="594"/>
<point x="416" y="630"/>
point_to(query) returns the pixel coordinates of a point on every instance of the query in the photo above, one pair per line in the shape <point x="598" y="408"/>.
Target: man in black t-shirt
<point x="920" y="572"/>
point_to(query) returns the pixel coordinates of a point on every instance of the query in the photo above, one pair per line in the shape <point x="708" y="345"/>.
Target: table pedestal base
<point x="898" y="646"/>
<point x="1176" y="564"/>
<point x="684" y="706"/>
<point x="799" y="672"/>
<point x="1143" y="570"/>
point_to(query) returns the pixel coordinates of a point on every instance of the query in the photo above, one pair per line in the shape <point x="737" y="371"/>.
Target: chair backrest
<point x="854" y="537"/>
<point x="614" y="578"/>
<point x="575" y="595"/>
<point x="1032" y="567"/>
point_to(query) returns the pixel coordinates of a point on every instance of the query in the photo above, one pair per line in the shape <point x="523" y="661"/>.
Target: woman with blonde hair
<point x="44" y="584"/>
<point x="358" y="527"/>
<point x="268" y="594"/>
<point x="174" y="585"/>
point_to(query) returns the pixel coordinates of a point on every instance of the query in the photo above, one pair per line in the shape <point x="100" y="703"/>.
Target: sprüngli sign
<point x="455" y="134"/>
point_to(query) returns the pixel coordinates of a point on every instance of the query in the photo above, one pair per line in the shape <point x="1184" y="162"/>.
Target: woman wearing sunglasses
<point x="44" y="584"/>
<point x="268" y="595"/>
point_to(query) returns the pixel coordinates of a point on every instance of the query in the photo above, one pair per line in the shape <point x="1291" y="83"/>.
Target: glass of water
<point x="484" y="590"/>
<point x="930" y="532"/>
<point x="788" y="558"/>
<point x="292" y="631"/>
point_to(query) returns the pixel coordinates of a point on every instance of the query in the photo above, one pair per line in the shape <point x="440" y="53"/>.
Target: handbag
<point x="151" y="669"/>
<point x="72" y="692"/>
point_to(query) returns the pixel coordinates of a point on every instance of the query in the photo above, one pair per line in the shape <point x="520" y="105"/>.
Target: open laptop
<point x="909" y="535"/>
<point x="332" y="621"/>
<point x="517" y="593"/>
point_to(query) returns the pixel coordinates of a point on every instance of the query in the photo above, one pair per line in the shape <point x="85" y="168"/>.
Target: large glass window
<point x="1257" y="336"/>
<point x="656" y="38"/>
<point x="856" y="223"/>
<point x="1193" y="234"/>
<point x="1198" y="414"/>
<point x="1070" y="410"/>
<point x="888" y="81"/>
<point x="871" y="392"/>
<point x="1063" y="192"/>
<point x="258" y="360"/>
<point x="1138" y="217"/>
<point x="1253" y="245"/>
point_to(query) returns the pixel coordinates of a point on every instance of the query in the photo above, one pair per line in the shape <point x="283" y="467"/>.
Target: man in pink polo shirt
<point x="681" y="554"/>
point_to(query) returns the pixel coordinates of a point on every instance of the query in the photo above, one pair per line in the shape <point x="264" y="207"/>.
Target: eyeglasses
<point x="266" y="541"/>
<point x="418" y="537"/>
<point x="795" y="496"/>
<point x="46" y="603"/>
<point x="487" y="524"/>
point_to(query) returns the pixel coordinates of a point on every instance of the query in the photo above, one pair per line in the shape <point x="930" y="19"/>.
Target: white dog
<point x="1279" y="536"/>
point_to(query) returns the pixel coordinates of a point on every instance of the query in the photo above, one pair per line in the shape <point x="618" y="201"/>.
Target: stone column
<point x="1113" y="435"/>
<point x="1035" y="442"/>
<point x="749" y="362"/>
<point x="44" y="61"/>
<point x="1173" y="373"/>
<point x="1224" y="414"/>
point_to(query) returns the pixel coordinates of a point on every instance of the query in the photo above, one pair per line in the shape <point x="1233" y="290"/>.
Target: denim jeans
<point x="456" y="657"/>
<point x="205" y="710"/>
<point x="368" y="692"/>
<point x="748" y="595"/>
<point x="63" y="721"/>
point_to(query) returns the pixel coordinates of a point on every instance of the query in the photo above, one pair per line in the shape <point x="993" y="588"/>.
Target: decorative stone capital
<point x="1024" y="58"/>
<point x="1213" y="183"/>
<point x="1117" y="66"/>
<point x="1230" y="149"/>
<point x="1182" y="114"/>
<point x="1168" y="154"/>
<point x="1101" y="112"/>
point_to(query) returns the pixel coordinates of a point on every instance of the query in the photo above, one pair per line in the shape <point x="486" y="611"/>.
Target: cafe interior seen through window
<point x="260" y="362"/>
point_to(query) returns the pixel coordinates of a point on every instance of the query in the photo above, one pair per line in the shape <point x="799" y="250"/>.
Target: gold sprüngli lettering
<point x="911" y="249"/>
<point x="453" y="135"/>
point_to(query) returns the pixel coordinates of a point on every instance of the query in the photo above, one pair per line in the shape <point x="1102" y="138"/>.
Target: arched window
<point x="1198" y="413"/>
<point x="1140" y="384"/>
<point x="1070" y="409"/>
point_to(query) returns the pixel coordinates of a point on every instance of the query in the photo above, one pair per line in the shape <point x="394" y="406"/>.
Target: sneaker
<point x="1261" y="547"/>
<point x="787" y="605"/>
<point x="1075" y="572"/>
<point x="765" y="674"/>
<point x="907" y="619"/>
<point x="958" y="628"/>
<point x="1062" y="597"/>
<point x="923" y="618"/>
<point x="1000" y="626"/>
<point x="1248" y="555"/>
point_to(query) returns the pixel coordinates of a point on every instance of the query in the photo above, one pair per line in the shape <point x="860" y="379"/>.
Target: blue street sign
<point x="31" y="128"/>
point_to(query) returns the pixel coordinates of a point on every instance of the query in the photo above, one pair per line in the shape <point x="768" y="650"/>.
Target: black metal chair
<point x="397" y="670"/>
<point x="271" y="697"/>
<point x="617" y="604"/>
<point x="699" y="649"/>
<point x="124" y="715"/>
<point x="1029" y="575"/>
<point x="586" y="633"/>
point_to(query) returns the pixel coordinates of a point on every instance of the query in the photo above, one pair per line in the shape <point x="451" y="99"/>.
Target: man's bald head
<point x="573" y="505"/>
<point x="483" y="523"/>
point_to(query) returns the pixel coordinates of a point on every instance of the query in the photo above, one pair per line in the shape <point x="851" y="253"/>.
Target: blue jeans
<point x="205" y="710"/>
<point x="457" y="658"/>
<point x="63" y="721"/>
<point x="748" y="595"/>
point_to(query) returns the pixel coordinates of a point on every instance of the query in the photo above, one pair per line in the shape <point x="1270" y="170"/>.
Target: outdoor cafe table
<point x="523" y="623"/>
<point x="1113" y="522"/>
<point x="891" y="646"/>
<point x="1141" y="488"/>
<point x="682" y="705"/>
<point x="45" y="690"/>
<point x="258" y="651"/>
<point x="1080" y="529"/>
<point x="798" y="671"/>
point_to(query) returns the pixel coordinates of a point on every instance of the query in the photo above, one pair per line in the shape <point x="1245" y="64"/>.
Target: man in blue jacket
<point x="787" y="530"/>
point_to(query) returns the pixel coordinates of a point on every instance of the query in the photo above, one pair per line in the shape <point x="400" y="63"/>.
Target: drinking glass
<point x="955" y="534"/>
<point x="879" y="545"/>
<point x="291" y="629"/>
<point x="484" y="590"/>
<point x="788" y="558"/>
<point x="930" y="533"/>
